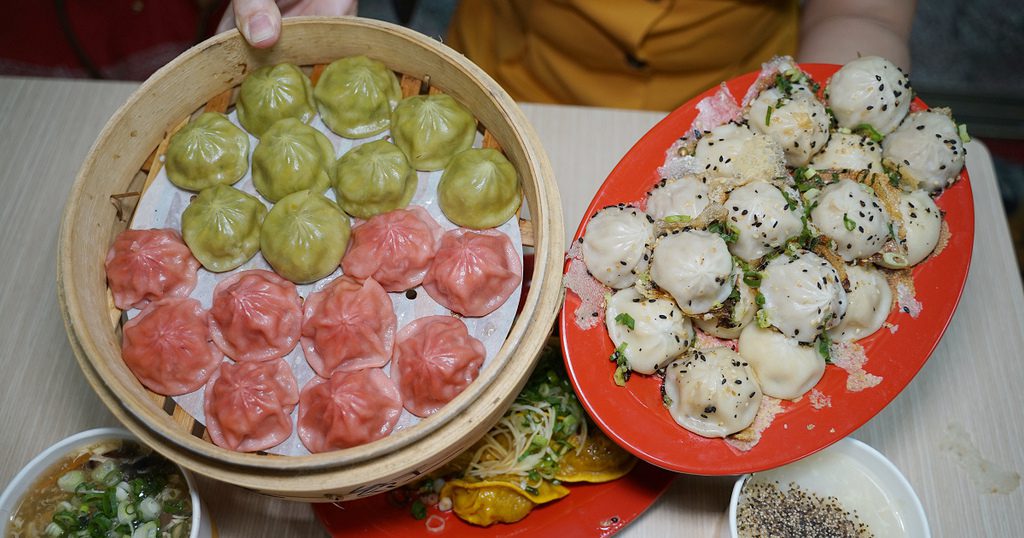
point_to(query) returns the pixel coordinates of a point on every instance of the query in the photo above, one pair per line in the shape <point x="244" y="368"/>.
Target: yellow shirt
<point x="648" y="54"/>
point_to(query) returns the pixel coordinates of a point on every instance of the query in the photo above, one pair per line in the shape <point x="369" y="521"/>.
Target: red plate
<point x="590" y="510"/>
<point x="635" y="417"/>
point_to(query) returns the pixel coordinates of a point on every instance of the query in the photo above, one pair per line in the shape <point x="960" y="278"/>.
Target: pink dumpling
<point x="393" y="248"/>
<point x="148" y="265"/>
<point x="347" y="410"/>
<point x="347" y="326"/>
<point x="435" y="359"/>
<point x="248" y="405"/>
<point x="168" y="346"/>
<point x="474" y="272"/>
<point x="256" y="316"/>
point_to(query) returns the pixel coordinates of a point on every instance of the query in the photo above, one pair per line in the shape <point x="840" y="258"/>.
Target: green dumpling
<point x="374" y="178"/>
<point x="304" y="237"/>
<point x="430" y="129"/>
<point x="209" y="151"/>
<point x="291" y="157"/>
<point x="356" y="95"/>
<point x="221" y="227"/>
<point x="272" y="93"/>
<point x="479" y="189"/>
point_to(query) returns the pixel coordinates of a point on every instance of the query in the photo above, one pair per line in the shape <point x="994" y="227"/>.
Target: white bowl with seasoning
<point x="52" y="477"/>
<point x="849" y="485"/>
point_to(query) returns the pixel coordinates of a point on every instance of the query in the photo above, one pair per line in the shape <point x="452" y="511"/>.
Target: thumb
<point x="258" y="20"/>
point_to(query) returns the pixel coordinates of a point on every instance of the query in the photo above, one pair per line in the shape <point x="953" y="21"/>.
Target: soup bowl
<point x="29" y="476"/>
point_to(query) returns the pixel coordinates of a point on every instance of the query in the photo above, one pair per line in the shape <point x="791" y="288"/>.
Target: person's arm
<point x="837" y="31"/>
<point x="260" y="20"/>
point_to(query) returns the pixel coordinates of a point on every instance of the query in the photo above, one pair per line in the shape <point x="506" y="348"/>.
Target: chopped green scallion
<point x="418" y="509"/>
<point x="627" y="320"/>
<point x="962" y="131"/>
<point x="825" y="347"/>
<point x="867" y="130"/>
<point x="762" y="319"/>
<point x="848" y="223"/>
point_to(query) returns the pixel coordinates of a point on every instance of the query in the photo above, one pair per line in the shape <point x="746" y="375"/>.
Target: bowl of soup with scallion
<point x="102" y="483"/>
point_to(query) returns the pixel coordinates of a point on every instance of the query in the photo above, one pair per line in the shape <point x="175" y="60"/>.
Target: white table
<point x="973" y="379"/>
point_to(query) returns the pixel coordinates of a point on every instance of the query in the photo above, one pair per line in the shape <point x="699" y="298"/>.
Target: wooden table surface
<point x="972" y="384"/>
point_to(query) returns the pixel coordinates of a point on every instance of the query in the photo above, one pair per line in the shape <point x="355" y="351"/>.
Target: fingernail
<point x="260" y="28"/>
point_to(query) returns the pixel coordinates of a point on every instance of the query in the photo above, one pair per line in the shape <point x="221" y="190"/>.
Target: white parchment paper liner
<point x="161" y="207"/>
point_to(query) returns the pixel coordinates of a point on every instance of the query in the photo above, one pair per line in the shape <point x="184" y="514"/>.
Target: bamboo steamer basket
<point x="123" y="161"/>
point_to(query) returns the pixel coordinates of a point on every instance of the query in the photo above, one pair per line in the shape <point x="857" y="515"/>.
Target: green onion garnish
<point x="626" y="319"/>
<point x="682" y="219"/>
<point x="419" y="510"/>
<point x="962" y="131"/>
<point x="865" y="129"/>
<point x="762" y="319"/>
<point x="726" y="232"/>
<point x="848" y="223"/>
<point x="825" y="347"/>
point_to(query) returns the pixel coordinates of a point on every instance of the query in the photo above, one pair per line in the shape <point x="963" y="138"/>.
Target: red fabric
<point x="125" y="39"/>
<point x="1011" y="150"/>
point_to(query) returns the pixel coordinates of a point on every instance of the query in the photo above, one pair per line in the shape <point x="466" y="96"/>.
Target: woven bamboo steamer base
<point x="123" y="157"/>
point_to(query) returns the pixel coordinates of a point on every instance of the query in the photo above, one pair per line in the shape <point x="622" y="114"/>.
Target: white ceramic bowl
<point x="854" y="473"/>
<point x="26" y="478"/>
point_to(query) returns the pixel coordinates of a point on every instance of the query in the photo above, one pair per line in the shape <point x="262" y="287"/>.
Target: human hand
<point x="260" y="20"/>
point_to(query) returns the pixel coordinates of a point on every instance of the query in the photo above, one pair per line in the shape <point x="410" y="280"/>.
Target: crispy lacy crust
<point x="822" y="249"/>
<point x="649" y="290"/>
<point x="944" y="235"/>
<point x="887" y="194"/>
<point x="901" y="284"/>
<point x="707" y="341"/>
<point x="714" y="212"/>
<point x="718" y="109"/>
<point x="850" y="357"/>
<point x="819" y="400"/>
<point x="591" y="292"/>
<point x="746" y="439"/>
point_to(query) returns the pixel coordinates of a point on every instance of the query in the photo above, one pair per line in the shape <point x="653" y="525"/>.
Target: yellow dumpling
<point x="600" y="460"/>
<point x="498" y="500"/>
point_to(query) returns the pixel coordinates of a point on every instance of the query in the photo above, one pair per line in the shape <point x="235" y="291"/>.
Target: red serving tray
<point x="590" y="510"/>
<point x="635" y="417"/>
